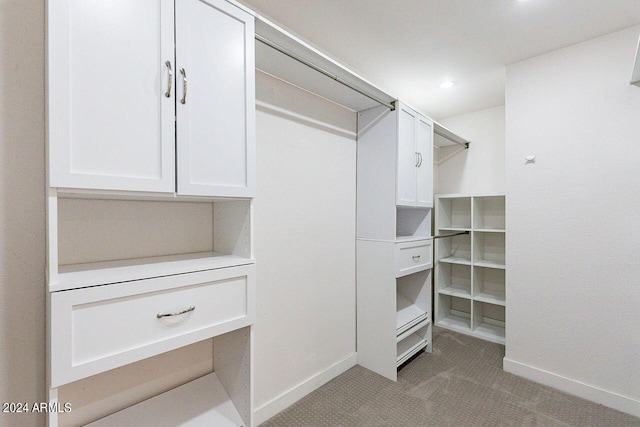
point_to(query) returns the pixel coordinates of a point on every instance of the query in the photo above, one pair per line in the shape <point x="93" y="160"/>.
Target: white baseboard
<point x="576" y="388"/>
<point x="291" y="396"/>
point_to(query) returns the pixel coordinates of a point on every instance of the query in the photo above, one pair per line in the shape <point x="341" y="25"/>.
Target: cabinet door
<point x="407" y="158"/>
<point x="215" y="99"/>
<point x="424" y="147"/>
<point x="110" y="125"/>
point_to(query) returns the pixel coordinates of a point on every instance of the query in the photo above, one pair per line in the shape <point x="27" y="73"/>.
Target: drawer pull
<point x="177" y="313"/>
<point x="416" y="257"/>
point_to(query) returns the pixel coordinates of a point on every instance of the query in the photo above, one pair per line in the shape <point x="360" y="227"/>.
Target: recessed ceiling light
<point x="448" y="84"/>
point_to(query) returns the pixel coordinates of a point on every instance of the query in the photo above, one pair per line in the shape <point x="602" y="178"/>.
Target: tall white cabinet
<point x="394" y="246"/>
<point x="470" y="268"/>
<point x="151" y="122"/>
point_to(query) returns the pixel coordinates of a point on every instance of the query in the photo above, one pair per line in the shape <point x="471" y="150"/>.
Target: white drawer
<point x="412" y="257"/>
<point x="100" y="328"/>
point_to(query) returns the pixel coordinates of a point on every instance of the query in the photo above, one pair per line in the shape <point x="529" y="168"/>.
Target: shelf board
<point x="457" y="323"/>
<point x="495" y="333"/>
<point x="497" y="298"/>
<point x="490" y="230"/>
<point x="400" y="239"/>
<point x="455" y="291"/>
<point x="455" y="260"/>
<point x="408" y="314"/>
<point x="408" y="347"/>
<point x="102" y="273"/>
<point x="198" y="403"/>
<point x="490" y="264"/>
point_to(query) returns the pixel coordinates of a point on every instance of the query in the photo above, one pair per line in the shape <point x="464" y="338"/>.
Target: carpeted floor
<point x="461" y="384"/>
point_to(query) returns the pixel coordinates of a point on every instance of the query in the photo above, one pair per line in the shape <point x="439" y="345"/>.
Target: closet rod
<point x="445" y="133"/>
<point x="389" y="105"/>
<point x="450" y="235"/>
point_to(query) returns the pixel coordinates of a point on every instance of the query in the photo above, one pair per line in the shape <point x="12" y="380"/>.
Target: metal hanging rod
<point x="284" y="51"/>
<point x="450" y="235"/>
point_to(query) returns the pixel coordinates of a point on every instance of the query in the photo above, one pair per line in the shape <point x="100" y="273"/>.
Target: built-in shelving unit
<point x="394" y="245"/>
<point x="470" y="266"/>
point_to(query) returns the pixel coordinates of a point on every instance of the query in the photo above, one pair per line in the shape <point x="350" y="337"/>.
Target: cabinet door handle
<point x="420" y="157"/>
<point x="170" y="84"/>
<point x="184" y="86"/>
<point x="177" y="313"/>
<point x="417" y="159"/>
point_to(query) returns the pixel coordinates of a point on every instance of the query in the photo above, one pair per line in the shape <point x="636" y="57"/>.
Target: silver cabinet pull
<point x="417" y="159"/>
<point x="177" y="313"/>
<point x="420" y="157"/>
<point x="416" y="257"/>
<point x="184" y="86"/>
<point x="170" y="84"/>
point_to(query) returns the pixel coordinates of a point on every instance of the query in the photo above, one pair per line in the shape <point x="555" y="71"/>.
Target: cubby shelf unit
<point x="470" y="269"/>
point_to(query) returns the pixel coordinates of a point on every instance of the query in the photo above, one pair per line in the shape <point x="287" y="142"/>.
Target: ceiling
<point x="409" y="47"/>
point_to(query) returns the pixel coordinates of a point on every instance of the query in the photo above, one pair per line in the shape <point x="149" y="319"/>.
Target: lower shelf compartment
<point x="491" y="331"/>
<point x="458" y="323"/>
<point x="410" y="346"/>
<point x="202" y="402"/>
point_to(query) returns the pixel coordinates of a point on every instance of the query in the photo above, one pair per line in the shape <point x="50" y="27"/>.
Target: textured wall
<point x="22" y="217"/>
<point x="573" y="252"/>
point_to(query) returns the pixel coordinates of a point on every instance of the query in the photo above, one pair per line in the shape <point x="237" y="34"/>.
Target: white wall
<point x="22" y="221"/>
<point x="305" y="243"/>
<point x="573" y="246"/>
<point x="480" y="169"/>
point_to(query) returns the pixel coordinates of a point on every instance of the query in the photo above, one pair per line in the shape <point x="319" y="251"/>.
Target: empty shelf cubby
<point x="454" y="280"/>
<point x="455" y="213"/>
<point x="489" y="249"/>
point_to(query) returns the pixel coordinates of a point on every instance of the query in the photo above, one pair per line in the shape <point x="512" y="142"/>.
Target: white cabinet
<point x="394" y="246"/>
<point x="415" y="159"/>
<point x="119" y="74"/>
<point x="470" y="268"/>
<point x="147" y="101"/>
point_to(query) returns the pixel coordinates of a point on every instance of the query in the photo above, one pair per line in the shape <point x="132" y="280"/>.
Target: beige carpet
<point x="461" y="384"/>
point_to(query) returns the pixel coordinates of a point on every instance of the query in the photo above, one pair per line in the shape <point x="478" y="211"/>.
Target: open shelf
<point x="146" y="239"/>
<point x="412" y="344"/>
<point x="412" y="223"/>
<point x="489" y="213"/>
<point x="107" y="272"/>
<point x="454" y="280"/>
<point x="489" y="249"/>
<point x="455" y="250"/>
<point x="413" y="295"/>
<point x="455" y="260"/>
<point x="454" y="212"/>
<point x="200" y="402"/>
<point x="489" y="285"/>
<point x="408" y="314"/>
<point x="454" y="313"/>
<point x="489" y="321"/>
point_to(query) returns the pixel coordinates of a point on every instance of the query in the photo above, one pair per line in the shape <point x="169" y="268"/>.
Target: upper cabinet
<point x="138" y="88"/>
<point x="415" y="159"/>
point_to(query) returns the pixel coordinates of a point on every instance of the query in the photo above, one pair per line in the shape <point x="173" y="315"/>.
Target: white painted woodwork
<point x="424" y="171"/>
<point x="110" y="125"/>
<point x="417" y="339"/>
<point x="470" y="269"/>
<point x="389" y="308"/>
<point x="100" y="328"/>
<point x="415" y="159"/>
<point x="414" y="256"/>
<point x="216" y="122"/>
<point x="285" y="68"/>
<point x="376" y="174"/>
<point x="407" y="157"/>
<point x="199" y="403"/>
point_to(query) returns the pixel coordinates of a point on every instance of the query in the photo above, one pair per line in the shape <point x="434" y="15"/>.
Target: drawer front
<point x="412" y="257"/>
<point x="100" y="328"/>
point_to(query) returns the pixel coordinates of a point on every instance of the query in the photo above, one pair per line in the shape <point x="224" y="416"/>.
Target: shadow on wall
<point x="22" y="208"/>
